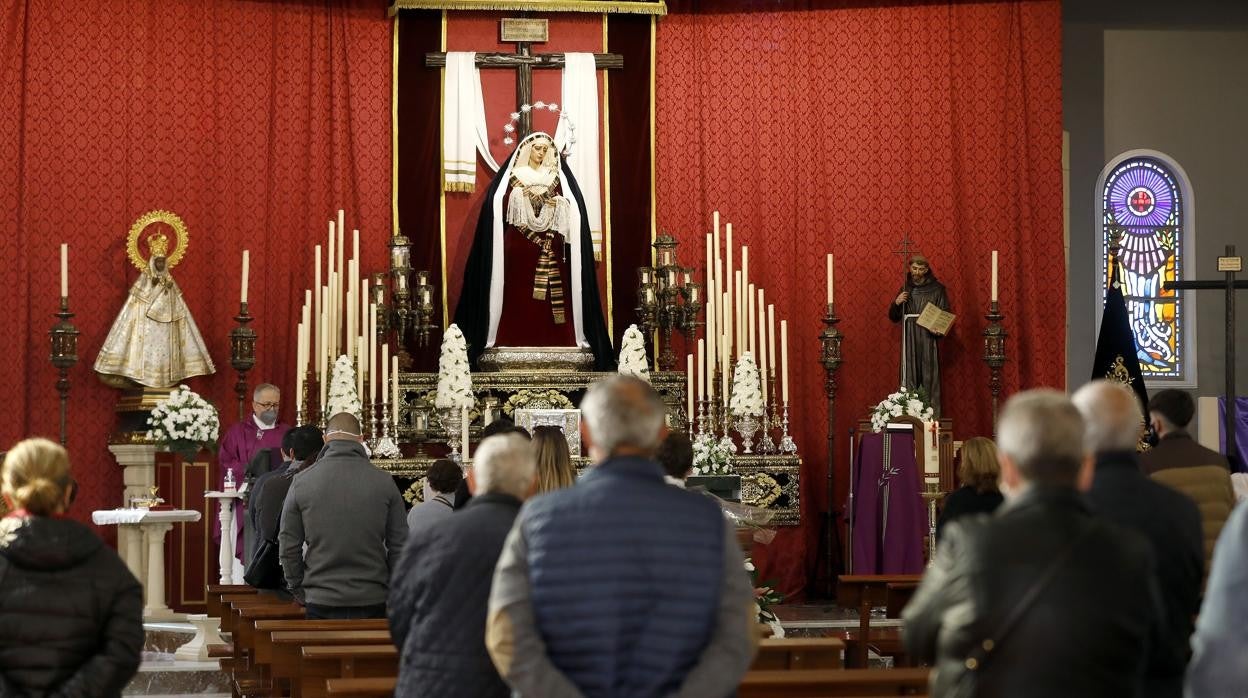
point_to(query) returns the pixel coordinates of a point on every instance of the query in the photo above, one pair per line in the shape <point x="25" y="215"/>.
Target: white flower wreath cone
<point x="184" y="421"/>
<point x="633" y="354"/>
<point x="747" y="391"/>
<point x="342" y="395"/>
<point x="908" y="402"/>
<point x="454" y="375"/>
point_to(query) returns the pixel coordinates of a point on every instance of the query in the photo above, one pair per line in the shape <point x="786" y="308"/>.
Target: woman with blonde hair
<point x="978" y="473"/>
<point x="554" y="460"/>
<point x="71" y="614"/>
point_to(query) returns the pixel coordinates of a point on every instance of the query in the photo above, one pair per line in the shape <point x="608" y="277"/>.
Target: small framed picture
<point x="568" y="421"/>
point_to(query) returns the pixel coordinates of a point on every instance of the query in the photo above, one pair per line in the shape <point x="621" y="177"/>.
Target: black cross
<point x="524" y="63"/>
<point x="1230" y="285"/>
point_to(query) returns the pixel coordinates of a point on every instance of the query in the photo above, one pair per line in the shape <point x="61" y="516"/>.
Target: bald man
<point x="1122" y="493"/>
<point x="352" y="518"/>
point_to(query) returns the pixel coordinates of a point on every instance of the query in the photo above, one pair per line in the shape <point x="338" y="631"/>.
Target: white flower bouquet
<point x="747" y="391"/>
<point x="342" y="395"/>
<point x="712" y="456"/>
<point x="454" y="375"/>
<point x="908" y="402"/>
<point x="633" y="354"/>
<point x="184" y="422"/>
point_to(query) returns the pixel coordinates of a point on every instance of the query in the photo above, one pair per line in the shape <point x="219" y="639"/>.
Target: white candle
<point x="730" y="316"/>
<point x="316" y="308"/>
<point x="360" y="348"/>
<point x="723" y="363"/>
<point x="246" y="268"/>
<point x="64" y="270"/>
<point x="298" y="363"/>
<point x="829" y="278"/>
<point x="784" y="361"/>
<point x="739" y="320"/>
<point x="701" y="369"/>
<point x="339" y="318"/>
<point x="323" y="359"/>
<point x="994" y="276"/>
<point x="330" y="342"/>
<point x="372" y="353"/>
<point x="771" y="335"/>
<point x="762" y="344"/>
<point x="689" y="386"/>
<point x="385" y="373"/>
<point x="712" y="334"/>
<point x="394" y="401"/>
<point x="745" y="271"/>
<point x="749" y="324"/>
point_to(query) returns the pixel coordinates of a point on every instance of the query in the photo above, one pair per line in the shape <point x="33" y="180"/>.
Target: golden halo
<point x="170" y="219"/>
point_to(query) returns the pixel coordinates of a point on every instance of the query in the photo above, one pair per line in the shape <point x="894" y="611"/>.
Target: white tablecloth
<point x="112" y="517"/>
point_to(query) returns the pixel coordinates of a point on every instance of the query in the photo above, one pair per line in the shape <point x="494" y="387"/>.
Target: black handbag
<point x="265" y="569"/>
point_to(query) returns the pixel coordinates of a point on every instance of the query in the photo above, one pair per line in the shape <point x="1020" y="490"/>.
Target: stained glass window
<point x="1143" y="219"/>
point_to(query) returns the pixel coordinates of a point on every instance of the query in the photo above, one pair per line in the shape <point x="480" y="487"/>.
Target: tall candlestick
<point x="784" y="361"/>
<point x="712" y="333"/>
<point x="372" y="352"/>
<point x="463" y="438"/>
<point x="829" y="278"/>
<point x="749" y="324"/>
<point x="994" y="276"/>
<point x="64" y="270"/>
<point x="701" y="369"/>
<point x="316" y="309"/>
<point x="385" y="373"/>
<point x="771" y="334"/>
<point x="689" y="386"/>
<point x="762" y="344"/>
<point x="394" y="399"/>
<point x="724" y="362"/>
<point x="739" y="320"/>
<point x="246" y="267"/>
<point x="360" y="348"/>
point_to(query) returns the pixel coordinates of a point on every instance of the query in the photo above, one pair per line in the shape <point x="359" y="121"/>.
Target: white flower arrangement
<point x="712" y="456"/>
<point x="454" y="375"/>
<point x="184" y="421"/>
<point x="747" y="391"/>
<point x="342" y="395"/>
<point x="908" y="402"/>
<point x="633" y="354"/>
<point x="765" y="596"/>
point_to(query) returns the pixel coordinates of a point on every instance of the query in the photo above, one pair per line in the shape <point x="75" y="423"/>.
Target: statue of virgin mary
<point x="154" y="341"/>
<point x="530" y="279"/>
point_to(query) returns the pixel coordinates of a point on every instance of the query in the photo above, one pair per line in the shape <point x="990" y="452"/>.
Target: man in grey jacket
<point x="351" y="517"/>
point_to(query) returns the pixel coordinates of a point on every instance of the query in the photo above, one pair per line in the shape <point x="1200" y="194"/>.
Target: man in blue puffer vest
<point x="621" y="585"/>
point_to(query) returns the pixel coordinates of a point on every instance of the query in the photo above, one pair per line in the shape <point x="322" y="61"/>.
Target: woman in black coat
<point x="978" y="473"/>
<point x="71" y="614"/>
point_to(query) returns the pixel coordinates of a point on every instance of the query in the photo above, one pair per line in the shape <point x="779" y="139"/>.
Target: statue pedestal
<point x="536" y="360"/>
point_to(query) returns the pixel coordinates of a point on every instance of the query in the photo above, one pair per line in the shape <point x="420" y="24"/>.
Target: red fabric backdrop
<point x="254" y="121"/>
<point x="841" y="126"/>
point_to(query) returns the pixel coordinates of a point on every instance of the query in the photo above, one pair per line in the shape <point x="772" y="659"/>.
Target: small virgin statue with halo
<point x="154" y="341"/>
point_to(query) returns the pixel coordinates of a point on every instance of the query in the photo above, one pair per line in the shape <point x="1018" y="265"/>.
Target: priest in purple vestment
<point x="241" y="441"/>
<point x="888" y="514"/>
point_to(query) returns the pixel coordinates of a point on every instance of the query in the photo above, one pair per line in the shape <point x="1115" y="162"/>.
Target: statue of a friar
<point x="154" y="341"/>
<point x="920" y="362"/>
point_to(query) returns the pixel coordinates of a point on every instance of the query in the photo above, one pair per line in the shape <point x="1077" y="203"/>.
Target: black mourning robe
<point x="920" y="360"/>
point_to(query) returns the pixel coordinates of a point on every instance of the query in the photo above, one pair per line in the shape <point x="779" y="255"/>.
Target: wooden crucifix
<point x="523" y="33"/>
<point x="1230" y="264"/>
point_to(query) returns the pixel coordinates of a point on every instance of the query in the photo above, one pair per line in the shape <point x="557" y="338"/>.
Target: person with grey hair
<point x="240" y="443"/>
<point x="1040" y="598"/>
<point x="351" y="516"/>
<point x="441" y="587"/>
<point x="621" y="560"/>
<point x="1168" y="519"/>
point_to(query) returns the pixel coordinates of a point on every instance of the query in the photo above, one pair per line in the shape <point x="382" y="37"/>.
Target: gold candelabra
<point x="64" y="355"/>
<point x="242" y="354"/>
<point x="668" y="299"/>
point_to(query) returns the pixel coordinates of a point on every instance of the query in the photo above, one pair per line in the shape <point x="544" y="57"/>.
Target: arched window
<point x="1144" y="209"/>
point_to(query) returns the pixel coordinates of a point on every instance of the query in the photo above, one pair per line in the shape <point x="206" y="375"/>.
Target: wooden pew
<point x="863" y="591"/>
<point x="346" y="662"/>
<point x="247" y="677"/>
<point x="827" y="683"/>
<point x="288" y="649"/>
<point x="799" y="654"/>
<point x="214" y="592"/>
<point x="896" y="596"/>
<point x="263" y="656"/>
<point x="362" y="688"/>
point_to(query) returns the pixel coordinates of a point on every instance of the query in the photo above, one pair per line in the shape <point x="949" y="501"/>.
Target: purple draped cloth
<point x="239" y="444"/>
<point x="1241" y="431"/>
<point x="888" y="513"/>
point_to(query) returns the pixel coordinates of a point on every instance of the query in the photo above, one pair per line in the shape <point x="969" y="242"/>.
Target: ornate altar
<point x="767" y="481"/>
